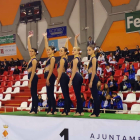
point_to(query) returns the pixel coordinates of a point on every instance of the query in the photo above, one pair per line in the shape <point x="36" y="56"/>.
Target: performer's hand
<point x="45" y="34"/>
<point x="77" y="36"/>
<point x="68" y="38"/>
<point x="47" y="82"/>
<point x="70" y="83"/>
<point x="29" y="85"/>
<point x="30" y="35"/>
<point x="90" y="85"/>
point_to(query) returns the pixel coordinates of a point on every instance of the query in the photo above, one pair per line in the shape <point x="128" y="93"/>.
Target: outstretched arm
<point x="67" y="41"/>
<point x="75" y="42"/>
<point x="46" y="41"/>
<point x="29" y="43"/>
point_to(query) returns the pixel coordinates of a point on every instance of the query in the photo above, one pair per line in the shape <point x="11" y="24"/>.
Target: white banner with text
<point x="8" y="50"/>
<point x="55" y="128"/>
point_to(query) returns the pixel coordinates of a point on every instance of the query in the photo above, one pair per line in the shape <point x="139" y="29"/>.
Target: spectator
<point x="83" y="100"/>
<point x="90" y="42"/>
<point x="45" y="103"/>
<point x="125" y="84"/>
<point x="68" y="69"/>
<point x="107" y="73"/>
<point x="136" y="56"/>
<point x="90" y="103"/>
<point x="69" y="74"/>
<point x="6" y="62"/>
<point x="1" y="68"/>
<point x="126" y="54"/>
<point x="137" y="84"/>
<point x="111" y="57"/>
<point x="17" y="62"/>
<point x="112" y="84"/>
<point x="12" y="62"/>
<point x="38" y="65"/>
<point x="118" y="53"/>
<point x="101" y="58"/>
<point x="131" y="72"/>
<point x="106" y="104"/>
<point x="16" y="70"/>
<point x="40" y="101"/>
<point x="99" y="70"/>
<point x="24" y="65"/>
<point x="4" y="68"/>
<point x="60" y="102"/>
<point x="117" y="102"/>
<point x="84" y="70"/>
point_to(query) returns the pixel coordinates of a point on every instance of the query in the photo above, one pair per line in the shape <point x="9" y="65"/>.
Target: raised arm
<point x="67" y="41"/>
<point x="93" y="71"/>
<point x="75" y="41"/>
<point x="46" y="41"/>
<point x="29" y="42"/>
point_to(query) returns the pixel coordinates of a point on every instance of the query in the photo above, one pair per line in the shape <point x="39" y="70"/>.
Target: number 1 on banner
<point x="65" y="133"/>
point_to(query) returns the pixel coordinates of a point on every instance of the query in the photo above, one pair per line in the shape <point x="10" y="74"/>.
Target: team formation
<point x="65" y="82"/>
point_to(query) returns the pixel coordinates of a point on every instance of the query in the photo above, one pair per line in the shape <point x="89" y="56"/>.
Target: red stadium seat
<point x="123" y="66"/>
<point x="136" y="65"/>
<point x="121" y="61"/>
<point x="10" y="73"/>
<point x="20" y="68"/>
<point x="72" y="97"/>
<point x="3" y="84"/>
<point x="83" y="88"/>
<point x="4" y="78"/>
<point x="71" y="90"/>
<point x="118" y="73"/>
<point x="11" y="78"/>
<point x="1" y="90"/>
<point x="108" y="56"/>
<point x="18" y="77"/>
<point x="5" y="73"/>
<point x="10" y="84"/>
<point x="120" y="80"/>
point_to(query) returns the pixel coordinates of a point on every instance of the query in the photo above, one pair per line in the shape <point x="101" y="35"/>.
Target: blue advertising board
<point x="54" y="43"/>
<point x="56" y="32"/>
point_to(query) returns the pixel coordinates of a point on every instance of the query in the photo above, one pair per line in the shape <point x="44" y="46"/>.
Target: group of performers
<point x="65" y="83"/>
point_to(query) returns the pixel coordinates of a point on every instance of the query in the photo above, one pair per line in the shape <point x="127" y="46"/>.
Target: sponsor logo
<point x="5" y="132"/>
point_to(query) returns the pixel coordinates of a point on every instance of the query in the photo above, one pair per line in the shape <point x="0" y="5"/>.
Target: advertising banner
<point x="56" y="32"/>
<point x="7" y="39"/>
<point x="8" y="50"/>
<point x="132" y="21"/>
<point x="53" y="128"/>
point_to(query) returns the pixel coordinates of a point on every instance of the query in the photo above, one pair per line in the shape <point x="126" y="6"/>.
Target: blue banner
<point x="55" y="32"/>
<point x="54" y="43"/>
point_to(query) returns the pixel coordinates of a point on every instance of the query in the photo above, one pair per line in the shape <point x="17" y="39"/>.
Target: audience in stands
<point x="131" y="73"/>
<point x="118" y="53"/>
<point x="4" y="67"/>
<point x="45" y="103"/>
<point x="107" y="73"/>
<point x="40" y="101"/>
<point x="106" y="104"/>
<point x="38" y="65"/>
<point x="125" y="84"/>
<point x="135" y="56"/>
<point x="16" y="70"/>
<point x="68" y="69"/>
<point x="24" y="65"/>
<point x="126" y="54"/>
<point x="137" y="84"/>
<point x="7" y="62"/>
<point x="116" y="102"/>
<point x="111" y="57"/>
<point x="101" y="58"/>
<point x="60" y="102"/>
<point x="17" y="62"/>
<point x="112" y="84"/>
<point x="90" y="104"/>
<point x="12" y="62"/>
